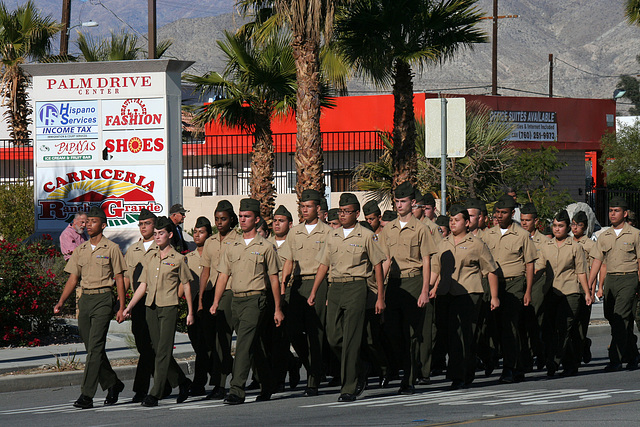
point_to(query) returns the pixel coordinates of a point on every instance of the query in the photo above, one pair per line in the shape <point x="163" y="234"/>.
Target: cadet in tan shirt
<point x="163" y="274"/>
<point x="96" y="264"/>
<point x="566" y="265"/>
<point x="619" y="249"/>
<point x="252" y="262"/>
<point x="515" y="254"/>
<point x="350" y="255"/>
<point x="456" y="273"/>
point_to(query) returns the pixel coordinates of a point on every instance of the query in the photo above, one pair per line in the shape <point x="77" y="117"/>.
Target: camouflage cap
<point x="224" y="206"/>
<point x="333" y="214"/>
<point x="347" y="199"/>
<point x="284" y="212"/>
<point x="146" y="214"/>
<point x="529" y="209"/>
<point x="251" y="205"/>
<point x="311" y="194"/>
<point x="96" y="212"/>
<point x="389" y="215"/>
<point x="371" y="207"/>
<point x="405" y="190"/>
<point x="505" y="202"/>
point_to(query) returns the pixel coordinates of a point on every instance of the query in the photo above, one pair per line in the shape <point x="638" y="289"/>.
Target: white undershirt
<point x="147" y="245"/>
<point x="618" y="231"/>
<point x="403" y="224"/>
<point x="310" y="227"/>
<point x="347" y="231"/>
<point x="504" y="230"/>
<point x="247" y="241"/>
<point x="280" y="242"/>
<point x="93" y="247"/>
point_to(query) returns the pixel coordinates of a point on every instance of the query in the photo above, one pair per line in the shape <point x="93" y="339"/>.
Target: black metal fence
<point x="598" y="199"/>
<point x="16" y="161"/>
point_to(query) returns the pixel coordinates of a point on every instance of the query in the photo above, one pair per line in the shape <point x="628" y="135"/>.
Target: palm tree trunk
<point x="18" y="108"/>
<point x="309" y="158"/>
<point x="405" y="163"/>
<point x="261" y="185"/>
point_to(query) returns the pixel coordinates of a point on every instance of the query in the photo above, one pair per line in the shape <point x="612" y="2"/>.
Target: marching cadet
<point x="249" y="302"/>
<point x="306" y="328"/>
<point x="515" y="254"/>
<point x="387" y="217"/>
<point x="372" y="215"/>
<point x="475" y="208"/>
<point x="219" y="328"/>
<point x="324" y="210"/>
<point x="579" y="224"/>
<point x="332" y="218"/>
<point x="533" y="333"/>
<point x="96" y="264"/>
<point x="352" y="255"/>
<point x="162" y="275"/>
<point x="460" y="263"/>
<point x="566" y="265"/>
<point x="618" y="248"/>
<point x="443" y="225"/>
<point x="198" y="330"/>
<point x="134" y="259"/>
<point x="408" y="246"/>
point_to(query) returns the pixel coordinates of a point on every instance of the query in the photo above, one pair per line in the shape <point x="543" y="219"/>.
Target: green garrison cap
<point x="581" y="217"/>
<point x="323" y="204"/>
<point x="164" y="223"/>
<point x="389" y="215"/>
<point x="443" y="220"/>
<point x="456" y="209"/>
<point x="428" y="200"/>
<point x="371" y="207"/>
<point x="563" y="216"/>
<point x="224" y="206"/>
<point x="405" y="190"/>
<point x="505" y="202"/>
<point x="366" y="225"/>
<point x="311" y="194"/>
<point x="472" y="203"/>
<point x="618" y="202"/>
<point x="146" y="214"/>
<point x="529" y="209"/>
<point x="284" y="212"/>
<point x="250" y="205"/>
<point x="349" y="199"/>
<point x="96" y="212"/>
<point x="333" y="214"/>
<point x="203" y="221"/>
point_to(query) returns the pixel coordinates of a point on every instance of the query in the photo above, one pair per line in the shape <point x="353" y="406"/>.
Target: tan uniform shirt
<point x="589" y="246"/>
<point x="563" y="264"/>
<point x="461" y="266"/>
<point x="405" y="246"/>
<point x="274" y="242"/>
<point x="353" y="256"/>
<point x="194" y="261"/>
<point x="302" y="248"/>
<point x="250" y="264"/>
<point x="619" y="253"/>
<point x="433" y="228"/>
<point x="96" y="267"/>
<point x="212" y="250"/>
<point x="512" y="251"/>
<point x="135" y="260"/>
<point x="480" y="233"/>
<point x="163" y="276"/>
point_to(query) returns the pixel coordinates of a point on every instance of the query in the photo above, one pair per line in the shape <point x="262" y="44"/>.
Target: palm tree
<point x="258" y="83"/>
<point x="25" y="35"/>
<point x="121" y="46"/>
<point x="384" y="38"/>
<point x="632" y="11"/>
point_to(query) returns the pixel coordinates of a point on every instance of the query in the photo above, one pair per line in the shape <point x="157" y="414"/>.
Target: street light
<point x="64" y="39"/>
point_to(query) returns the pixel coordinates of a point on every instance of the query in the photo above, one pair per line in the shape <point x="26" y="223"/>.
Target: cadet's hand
<point x="200" y="307"/>
<point x="57" y="308"/>
<point x="190" y="319"/>
<point x="214" y="307"/>
<point x="127" y="313"/>
<point x="527" y="298"/>
<point x="600" y="292"/>
<point x="278" y="317"/>
<point x="380" y="306"/>
<point x="587" y="299"/>
<point x="495" y="303"/>
<point x="311" y="300"/>
<point x="423" y="299"/>
<point x="433" y="292"/>
<point x="120" y="316"/>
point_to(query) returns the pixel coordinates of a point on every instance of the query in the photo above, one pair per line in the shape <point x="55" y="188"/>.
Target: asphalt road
<point x="591" y="398"/>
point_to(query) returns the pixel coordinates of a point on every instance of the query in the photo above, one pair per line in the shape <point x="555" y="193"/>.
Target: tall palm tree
<point x="383" y="39"/>
<point x="25" y="35"/>
<point x="258" y="83"/>
<point x="121" y="46"/>
<point x="632" y="11"/>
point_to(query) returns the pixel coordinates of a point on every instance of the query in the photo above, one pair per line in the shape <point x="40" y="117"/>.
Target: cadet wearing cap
<point x="429" y="217"/>
<point x="332" y="218"/>
<point x="387" y="217"/>
<point x="304" y="242"/>
<point x="408" y="246"/>
<point x="619" y="249"/>
<point x="474" y="207"/>
<point x="324" y="209"/>
<point x="249" y="302"/>
<point x="96" y="264"/>
<point x="515" y="254"/>
<point x="372" y="215"/>
<point x="177" y="214"/>
<point x="220" y="331"/>
<point x="352" y="255"/>
<point x="134" y="259"/>
<point x="461" y="262"/>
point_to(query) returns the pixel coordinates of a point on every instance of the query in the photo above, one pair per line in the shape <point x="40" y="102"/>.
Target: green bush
<point x="16" y="210"/>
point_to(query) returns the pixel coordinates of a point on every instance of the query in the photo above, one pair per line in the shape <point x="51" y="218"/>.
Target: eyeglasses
<point x="345" y="212"/>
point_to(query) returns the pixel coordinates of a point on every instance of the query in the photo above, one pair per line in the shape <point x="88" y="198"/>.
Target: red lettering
<point x="130" y="177"/>
<point x="147" y="144"/>
<point x="106" y="174"/>
<point x="118" y="175"/>
<point x="115" y="81"/>
<point x="85" y="175"/>
<point x="102" y="82"/>
<point x="73" y="177"/>
<point x="51" y="209"/>
<point x="109" y="144"/>
<point x="146" y="81"/>
<point x="113" y="208"/>
<point x="159" y="144"/>
<point x="60" y="182"/>
<point x="49" y="187"/>
<point x="121" y="145"/>
<point x="51" y="83"/>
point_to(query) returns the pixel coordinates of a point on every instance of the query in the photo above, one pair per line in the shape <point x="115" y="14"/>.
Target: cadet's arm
<point x="204" y="278"/>
<point x="380" y="304"/>
<point x="426" y="278"/>
<point x="187" y="295"/>
<point x="287" y="268"/>
<point x="221" y="285"/>
<point x="278" y="316"/>
<point x="493" y="286"/>
<point x="137" y="296"/>
<point x="320" y="274"/>
<point x="119" y="278"/>
<point x="595" y="269"/>
<point x="69" y="287"/>
<point x="529" y="276"/>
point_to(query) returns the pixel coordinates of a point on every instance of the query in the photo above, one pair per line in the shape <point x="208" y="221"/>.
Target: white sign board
<point x="531" y="126"/>
<point x="456" y="127"/>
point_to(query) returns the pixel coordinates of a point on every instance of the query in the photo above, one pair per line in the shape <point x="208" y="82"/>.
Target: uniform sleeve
<point x="205" y="259"/>
<point x="224" y="266"/>
<point x="435" y="259"/>
<point x="323" y="256"/>
<point x="428" y="243"/>
<point x="637" y="243"/>
<point x="375" y="254"/>
<point x="130" y="267"/>
<point x="272" y="261"/>
<point x="580" y="260"/>
<point x="598" y="251"/>
<point x="487" y="263"/>
<point x="72" y="266"/>
<point x="286" y="250"/>
<point x="541" y="262"/>
<point x="185" y="271"/>
<point x="382" y="242"/>
<point x="529" y="251"/>
<point x="117" y="261"/>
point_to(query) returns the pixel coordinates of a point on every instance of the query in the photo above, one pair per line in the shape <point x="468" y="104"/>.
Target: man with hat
<point x="350" y="255"/>
<point x="324" y="210"/>
<point x="387" y="217"/>
<point x="135" y="260"/>
<point x="372" y="215"/>
<point x="177" y="214"/>
<point x="474" y="207"/>
<point x="96" y="264"/>
<point x="408" y="246"/>
<point x="306" y="327"/>
<point x="515" y="254"/>
<point x="332" y="218"/>
<point x="619" y="249"/>
<point x="249" y="303"/>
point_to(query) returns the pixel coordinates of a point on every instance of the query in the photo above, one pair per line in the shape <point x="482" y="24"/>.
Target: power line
<point x="99" y="3"/>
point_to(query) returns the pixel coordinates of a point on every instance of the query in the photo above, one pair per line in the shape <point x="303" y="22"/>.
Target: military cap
<point x="529" y="209"/>
<point x="311" y="194"/>
<point x="333" y="214"/>
<point x="349" y="199"/>
<point x="581" y="217"/>
<point x="96" y="212"/>
<point x="366" y="225"/>
<point x="224" y="206"/>
<point x="443" y="220"/>
<point x="618" y="202"/>
<point x="505" y="202"/>
<point x="405" y="190"/>
<point x="563" y="216"/>
<point x="457" y="209"/>
<point x="428" y="200"/>
<point x="371" y="207"/>
<point x="284" y="212"/>
<point x="177" y="208"/>
<point x="323" y="204"/>
<point x="389" y="215"/>
<point x="164" y="223"/>
<point x="472" y="203"/>
<point x="203" y="221"/>
<point x="250" y="205"/>
<point x="547" y="231"/>
<point x="146" y="214"/>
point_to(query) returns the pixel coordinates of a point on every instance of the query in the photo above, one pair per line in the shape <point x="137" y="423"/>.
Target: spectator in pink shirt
<point x="74" y="235"/>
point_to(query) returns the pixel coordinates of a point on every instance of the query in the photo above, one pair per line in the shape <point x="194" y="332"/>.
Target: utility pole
<point x="64" y="34"/>
<point x="551" y="75"/>
<point x="152" y="29"/>
<point x="494" y="51"/>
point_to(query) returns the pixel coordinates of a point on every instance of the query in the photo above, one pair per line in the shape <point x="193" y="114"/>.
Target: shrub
<point x="16" y="210"/>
